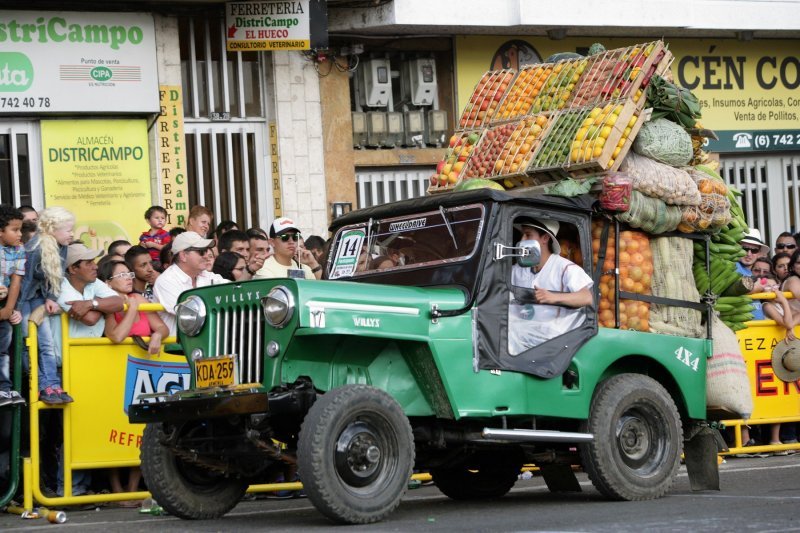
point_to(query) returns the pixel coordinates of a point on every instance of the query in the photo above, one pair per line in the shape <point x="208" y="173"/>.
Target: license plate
<point x="215" y="372"/>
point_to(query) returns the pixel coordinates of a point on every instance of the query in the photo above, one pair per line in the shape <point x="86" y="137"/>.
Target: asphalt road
<point x="760" y="494"/>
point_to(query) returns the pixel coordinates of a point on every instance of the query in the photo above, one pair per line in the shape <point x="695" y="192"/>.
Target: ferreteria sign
<point x="276" y="24"/>
<point x="56" y="62"/>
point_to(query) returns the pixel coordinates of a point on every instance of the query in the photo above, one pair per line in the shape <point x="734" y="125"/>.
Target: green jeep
<point x="363" y="378"/>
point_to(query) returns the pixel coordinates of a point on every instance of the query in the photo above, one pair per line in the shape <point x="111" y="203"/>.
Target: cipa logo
<point x="101" y="73"/>
<point x="16" y="72"/>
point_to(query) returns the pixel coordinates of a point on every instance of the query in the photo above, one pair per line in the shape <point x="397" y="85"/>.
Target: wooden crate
<point x="485" y="99"/>
<point x="518" y="101"/>
<point x="620" y="74"/>
<point x="553" y="151"/>
<point x="588" y="154"/>
<point x="455" y="160"/>
<point x="556" y="92"/>
<point x="521" y="146"/>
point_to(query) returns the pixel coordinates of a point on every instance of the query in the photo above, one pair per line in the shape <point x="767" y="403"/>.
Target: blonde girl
<point x="46" y="254"/>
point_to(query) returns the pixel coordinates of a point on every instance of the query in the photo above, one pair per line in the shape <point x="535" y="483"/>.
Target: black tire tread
<point x="312" y="464"/>
<point x="165" y="484"/>
<point x="599" y="468"/>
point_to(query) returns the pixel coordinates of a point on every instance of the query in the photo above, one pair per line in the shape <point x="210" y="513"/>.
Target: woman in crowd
<point x="230" y="266"/>
<point x="130" y="323"/>
<point x="199" y="221"/>
<point x="780" y="266"/>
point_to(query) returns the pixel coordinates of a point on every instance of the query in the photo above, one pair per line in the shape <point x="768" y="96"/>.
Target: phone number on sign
<point x="29" y="102"/>
<point x="777" y="140"/>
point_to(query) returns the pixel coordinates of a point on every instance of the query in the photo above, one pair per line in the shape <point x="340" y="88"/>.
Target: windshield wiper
<point x="447" y="223"/>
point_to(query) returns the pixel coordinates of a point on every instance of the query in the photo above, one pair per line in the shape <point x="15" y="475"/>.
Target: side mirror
<point x="528" y="252"/>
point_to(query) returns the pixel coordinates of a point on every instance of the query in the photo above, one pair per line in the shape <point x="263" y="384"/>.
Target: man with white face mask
<point x="560" y="289"/>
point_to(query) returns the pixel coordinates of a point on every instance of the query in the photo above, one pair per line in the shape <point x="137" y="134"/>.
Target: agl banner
<point x="66" y="61"/>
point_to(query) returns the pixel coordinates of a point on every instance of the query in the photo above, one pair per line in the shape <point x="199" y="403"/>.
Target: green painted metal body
<point x="384" y="336"/>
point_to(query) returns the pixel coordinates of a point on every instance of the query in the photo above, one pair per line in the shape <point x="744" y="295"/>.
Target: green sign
<point x="756" y="141"/>
<point x="16" y="72"/>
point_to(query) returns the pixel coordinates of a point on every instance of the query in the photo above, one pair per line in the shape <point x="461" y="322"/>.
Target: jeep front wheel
<point x="183" y="489"/>
<point x="355" y="454"/>
<point x="637" y="442"/>
<point x="484" y="476"/>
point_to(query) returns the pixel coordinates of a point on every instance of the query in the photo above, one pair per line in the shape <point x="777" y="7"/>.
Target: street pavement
<point x="758" y="494"/>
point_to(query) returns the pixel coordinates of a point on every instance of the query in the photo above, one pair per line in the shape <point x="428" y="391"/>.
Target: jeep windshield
<point x="400" y="244"/>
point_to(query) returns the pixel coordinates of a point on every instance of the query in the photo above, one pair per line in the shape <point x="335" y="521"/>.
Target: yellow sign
<point x="743" y="87"/>
<point x="104" y="379"/>
<point x="771" y="397"/>
<point x="99" y="170"/>
<point x="172" y="156"/>
<point x="276" y="175"/>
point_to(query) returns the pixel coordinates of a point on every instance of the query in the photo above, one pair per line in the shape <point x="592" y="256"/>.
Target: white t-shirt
<point x="273" y="269"/>
<point x="531" y="324"/>
<point x="171" y="283"/>
<point x="95" y="289"/>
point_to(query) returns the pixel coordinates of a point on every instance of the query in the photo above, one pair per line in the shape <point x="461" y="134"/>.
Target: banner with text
<point x="268" y="25"/>
<point x="748" y="90"/>
<point x="99" y="170"/>
<point x="67" y="61"/>
<point x="172" y="156"/>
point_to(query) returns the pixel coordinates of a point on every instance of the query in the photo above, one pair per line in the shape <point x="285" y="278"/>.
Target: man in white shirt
<point x="560" y="289"/>
<point x="83" y="297"/>
<point x="192" y="256"/>
<point x="288" y="259"/>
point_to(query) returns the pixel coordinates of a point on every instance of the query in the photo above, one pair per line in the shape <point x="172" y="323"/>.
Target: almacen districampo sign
<point x="268" y="25"/>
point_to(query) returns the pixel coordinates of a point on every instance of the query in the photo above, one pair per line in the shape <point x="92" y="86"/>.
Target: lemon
<point x="632" y="121"/>
<point x="617" y="150"/>
<point x="593" y="114"/>
<point x="626" y="133"/>
<point x="618" y="109"/>
<point x="581" y="133"/>
<point x="605" y="132"/>
<point x="597" y="152"/>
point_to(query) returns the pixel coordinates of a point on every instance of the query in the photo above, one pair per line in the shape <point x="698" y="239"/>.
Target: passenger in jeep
<point x="560" y="289"/>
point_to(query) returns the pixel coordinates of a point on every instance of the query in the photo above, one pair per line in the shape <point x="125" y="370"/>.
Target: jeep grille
<point x="239" y="332"/>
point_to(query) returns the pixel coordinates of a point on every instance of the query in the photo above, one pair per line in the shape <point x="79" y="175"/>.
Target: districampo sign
<point x="268" y="25"/>
<point x="55" y="62"/>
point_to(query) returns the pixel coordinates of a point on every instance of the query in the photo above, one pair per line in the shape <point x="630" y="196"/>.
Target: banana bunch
<point x="734" y="311"/>
<point x="733" y="304"/>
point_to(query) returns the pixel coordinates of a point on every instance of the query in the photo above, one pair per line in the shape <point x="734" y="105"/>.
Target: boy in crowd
<point x="156" y="237"/>
<point x="139" y="261"/>
<point x="12" y="268"/>
<point x="289" y="260"/>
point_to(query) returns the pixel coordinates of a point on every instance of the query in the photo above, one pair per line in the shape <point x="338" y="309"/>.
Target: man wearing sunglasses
<point x="754" y="248"/>
<point x="785" y="243"/>
<point x="192" y="257"/>
<point x="289" y="260"/>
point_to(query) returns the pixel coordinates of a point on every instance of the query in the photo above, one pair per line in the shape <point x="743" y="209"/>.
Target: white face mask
<point x="401" y="260"/>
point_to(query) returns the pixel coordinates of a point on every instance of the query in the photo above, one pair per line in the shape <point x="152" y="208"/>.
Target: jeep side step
<point x="534" y="435"/>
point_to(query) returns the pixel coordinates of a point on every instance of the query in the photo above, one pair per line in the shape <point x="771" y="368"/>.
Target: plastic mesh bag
<point x="714" y="210"/>
<point x="672" y="267"/>
<point x="664" y="141"/>
<point x="650" y="214"/>
<point x="672" y="185"/>
<point x="635" y="275"/>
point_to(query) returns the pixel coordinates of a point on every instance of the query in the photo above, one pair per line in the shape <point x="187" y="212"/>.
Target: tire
<point x="355" y="454"/>
<point x="185" y="490"/>
<point x="483" y="477"/>
<point x="637" y="439"/>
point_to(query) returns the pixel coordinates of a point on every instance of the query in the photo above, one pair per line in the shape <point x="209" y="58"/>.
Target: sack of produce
<point x="650" y="214"/>
<point x="714" y="210"/>
<point x="672" y="278"/>
<point x="727" y="384"/>
<point x="664" y="141"/>
<point x="672" y="185"/>
<point x="635" y="274"/>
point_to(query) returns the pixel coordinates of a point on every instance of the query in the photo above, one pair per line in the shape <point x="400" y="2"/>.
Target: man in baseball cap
<point x="560" y="288"/>
<point x="85" y="299"/>
<point x="192" y="256"/>
<point x="289" y="259"/>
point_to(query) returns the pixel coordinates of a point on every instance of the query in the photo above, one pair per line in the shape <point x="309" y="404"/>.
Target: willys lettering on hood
<point x="237" y="298"/>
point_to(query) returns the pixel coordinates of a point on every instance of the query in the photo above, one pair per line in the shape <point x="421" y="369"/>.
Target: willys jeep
<point x="362" y="378"/>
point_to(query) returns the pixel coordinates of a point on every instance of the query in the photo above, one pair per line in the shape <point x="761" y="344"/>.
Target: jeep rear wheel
<point x="485" y="476"/>
<point x="637" y="442"/>
<point x="183" y="489"/>
<point x="355" y="454"/>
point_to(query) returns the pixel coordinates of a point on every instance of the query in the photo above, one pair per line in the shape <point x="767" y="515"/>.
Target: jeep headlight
<point x="191" y="315"/>
<point x="278" y="306"/>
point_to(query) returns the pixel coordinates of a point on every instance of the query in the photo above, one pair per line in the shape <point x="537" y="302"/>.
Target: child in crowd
<point x="46" y="254"/>
<point x="12" y="269"/>
<point x="156" y="237"/>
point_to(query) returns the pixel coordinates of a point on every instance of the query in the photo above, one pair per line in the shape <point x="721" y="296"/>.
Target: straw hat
<point x="786" y="360"/>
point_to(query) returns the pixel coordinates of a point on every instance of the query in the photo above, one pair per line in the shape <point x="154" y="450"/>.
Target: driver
<point x="560" y="289"/>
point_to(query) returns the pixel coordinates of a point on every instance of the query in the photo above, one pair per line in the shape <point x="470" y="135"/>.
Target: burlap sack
<point x="727" y="384"/>
<point x="672" y="278"/>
